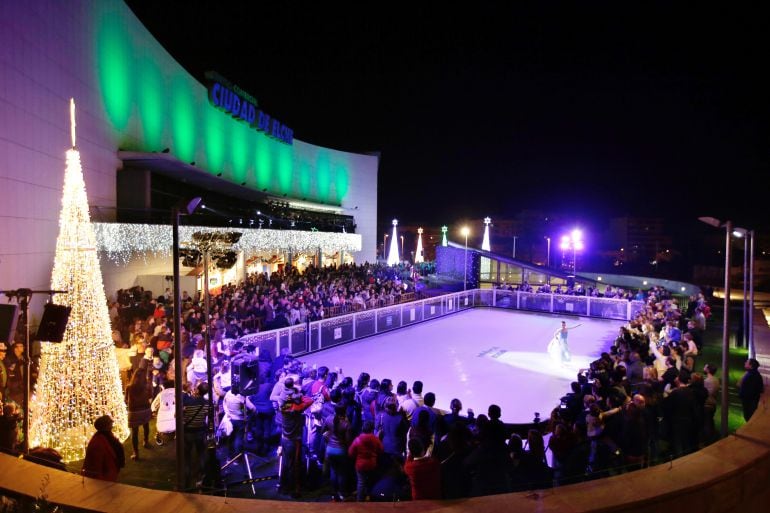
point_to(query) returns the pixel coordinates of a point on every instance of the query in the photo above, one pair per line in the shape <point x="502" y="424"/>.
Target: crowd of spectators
<point x="642" y="400"/>
<point x="578" y="289"/>
<point x="280" y="299"/>
<point x="646" y="398"/>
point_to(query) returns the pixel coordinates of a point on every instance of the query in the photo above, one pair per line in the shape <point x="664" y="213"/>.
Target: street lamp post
<point x="514" y="245"/>
<point x="465" y="231"/>
<point x="548" y="254"/>
<point x="748" y="280"/>
<point x="191" y="207"/>
<point x="403" y="255"/>
<point x="752" y="352"/>
<point x="725" y="321"/>
<point x="573" y="241"/>
<point x="385" y="246"/>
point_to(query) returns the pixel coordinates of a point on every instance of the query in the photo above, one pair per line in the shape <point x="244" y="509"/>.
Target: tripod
<point x="244" y="455"/>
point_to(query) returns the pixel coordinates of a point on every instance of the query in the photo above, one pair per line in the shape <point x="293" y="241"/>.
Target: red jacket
<point x="101" y="461"/>
<point x="364" y="450"/>
<point x="425" y="478"/>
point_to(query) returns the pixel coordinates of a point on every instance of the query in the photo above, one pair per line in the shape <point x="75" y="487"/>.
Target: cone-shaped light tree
<point x="418" y="255"/>
<point x="79" y="378"/>
<point x="393" y="258"/>
<point x="485" y="242"/>
<point x="486" y="263"/>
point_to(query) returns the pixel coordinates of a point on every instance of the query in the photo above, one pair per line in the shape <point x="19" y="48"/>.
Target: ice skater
<point x="558" y="346"/>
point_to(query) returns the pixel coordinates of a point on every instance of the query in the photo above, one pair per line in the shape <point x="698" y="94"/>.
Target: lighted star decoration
<point x="444" y="229"/>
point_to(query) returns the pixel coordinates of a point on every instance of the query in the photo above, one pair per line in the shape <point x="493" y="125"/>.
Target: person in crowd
<point x="3" y="370"/>
<point x="365" y="450"/>
<point x="338" y="434"/>
<point x="711" y="383"/>
<point x="196" y="414"/>
<point x="424" y="472"/>
<point x="139" y="396"/>
<point x="104" y="453"/>
<point x="681" y="410"/>
<point x="391" y="426"/>
<point x="234" y="406"/>
<point x="406" y="402"/>
<point x="292" y="405"/>
<point x="750" y="387"/>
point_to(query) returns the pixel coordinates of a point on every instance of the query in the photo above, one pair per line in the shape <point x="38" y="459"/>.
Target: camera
<point x="536" y="420"/>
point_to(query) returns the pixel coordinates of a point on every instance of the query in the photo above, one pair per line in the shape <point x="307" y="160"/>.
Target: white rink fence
<point x="318" y="335"/>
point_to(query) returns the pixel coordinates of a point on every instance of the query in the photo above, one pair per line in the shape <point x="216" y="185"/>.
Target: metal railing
<point x="326" y="333"/>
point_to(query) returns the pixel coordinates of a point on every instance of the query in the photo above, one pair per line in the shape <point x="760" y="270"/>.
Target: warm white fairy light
<point x="79" y="378"/>
<point x="122" y="241"/>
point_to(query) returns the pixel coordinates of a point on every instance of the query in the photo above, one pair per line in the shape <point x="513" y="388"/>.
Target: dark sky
<point x="586" y="109"/>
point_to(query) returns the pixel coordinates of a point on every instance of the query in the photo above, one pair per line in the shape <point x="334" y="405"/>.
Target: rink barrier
<point x="318" y="335"/>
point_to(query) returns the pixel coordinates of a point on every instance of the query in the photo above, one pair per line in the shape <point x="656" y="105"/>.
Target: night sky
<point x="583" y="109"/>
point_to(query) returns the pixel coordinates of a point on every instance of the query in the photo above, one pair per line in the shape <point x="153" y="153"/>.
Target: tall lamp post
<point x="465" y="231"/>
<point x="403" y="255"/>
<point x="748" y="280"/>
<point x="187" y="209"/>
<point x="728" y="226"/>
<point x="385" y="246"/>
<point x="573" y="241"/>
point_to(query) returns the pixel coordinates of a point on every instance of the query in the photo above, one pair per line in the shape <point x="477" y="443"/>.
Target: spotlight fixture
<point x="243" y="183"/>
<point x="166" y="150"/>
<point x="192" y="163"/>
<point x="219" y="174"/>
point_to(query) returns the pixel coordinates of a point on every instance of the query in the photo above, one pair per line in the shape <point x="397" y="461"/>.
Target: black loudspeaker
<point x="9" y="314"/>
<point x="53" y="323"/>
<point x="245" y="375"/>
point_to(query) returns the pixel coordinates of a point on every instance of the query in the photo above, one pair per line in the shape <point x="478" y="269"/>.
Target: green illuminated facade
<point x="152" y="105"/>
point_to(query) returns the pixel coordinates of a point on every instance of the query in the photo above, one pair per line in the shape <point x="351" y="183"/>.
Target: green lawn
<point x="712" y="353"/>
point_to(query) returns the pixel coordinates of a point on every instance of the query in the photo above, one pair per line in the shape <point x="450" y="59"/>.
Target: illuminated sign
<point x="233" y="100"/>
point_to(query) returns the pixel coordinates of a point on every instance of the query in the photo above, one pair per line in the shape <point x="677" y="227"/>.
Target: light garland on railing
<point x="121" y="241"/>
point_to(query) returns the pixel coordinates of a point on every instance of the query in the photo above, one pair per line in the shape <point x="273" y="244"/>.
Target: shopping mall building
<point x="151" y="135"/>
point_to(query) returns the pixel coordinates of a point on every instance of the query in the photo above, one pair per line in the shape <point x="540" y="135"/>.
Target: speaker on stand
<point x="9" y="314"/>
<point x="54" y="323"/>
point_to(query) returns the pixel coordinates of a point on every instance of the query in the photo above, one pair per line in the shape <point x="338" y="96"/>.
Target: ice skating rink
<point x="480" y="356"/>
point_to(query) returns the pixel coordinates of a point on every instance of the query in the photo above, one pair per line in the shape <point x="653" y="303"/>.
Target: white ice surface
<point x="480" y="356"/>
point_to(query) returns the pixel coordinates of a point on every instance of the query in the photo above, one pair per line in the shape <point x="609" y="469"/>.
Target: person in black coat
<point x="750" y="387"/>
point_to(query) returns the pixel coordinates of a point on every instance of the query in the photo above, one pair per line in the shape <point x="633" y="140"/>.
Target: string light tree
<point x="393" y="258"/>
<point x="444" y="229"/>
<point x="79" y="378"/>
<point x="486" y="263"/>
<point x="418" y="255"/>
